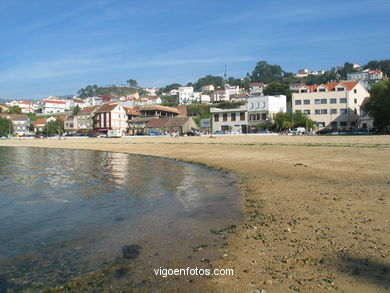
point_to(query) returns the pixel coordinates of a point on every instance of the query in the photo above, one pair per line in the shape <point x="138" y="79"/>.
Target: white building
<point x="366" y="75"/>
<point x="25" y="106"/>
<point x="221" y="95"/>
<point x="93" y="101"/>
<point x="263" y="109"/>
<point x="232" y="90"/>
<point x="53" y="106"/>
<point x="188" y="96"/>
<point x="256" y="88"/>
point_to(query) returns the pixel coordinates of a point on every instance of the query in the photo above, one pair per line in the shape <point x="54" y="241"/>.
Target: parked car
<point x="140" y="133"/>
<point x="155" y="133"/>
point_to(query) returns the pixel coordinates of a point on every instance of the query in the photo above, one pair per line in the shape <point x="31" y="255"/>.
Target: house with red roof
<point x="334" y="105"/>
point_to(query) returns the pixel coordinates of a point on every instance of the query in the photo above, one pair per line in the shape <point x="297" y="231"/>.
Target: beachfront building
<point x="53" y="106"/>
<point x="235" y="120"/>
<point x="110" y="117"/>
<point x="180" y="125"/>
<point x="20" y="123"/>
<point x="69" y="124"/>
<point x="335" y="105"/>
<point x="263" y="109"/>
<point x="84" y="119"/>
<point x="138" y="123"/>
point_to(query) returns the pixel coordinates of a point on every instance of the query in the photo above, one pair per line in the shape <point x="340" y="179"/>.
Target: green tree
<point x="14" y="110"/>
<point x="5" y="126"/>
<point x="292" y="120"/>
<point x="277" y="88"/>
<point x="76" y="110"/>
<point x="378" y="107"/>
<point x="383" y="65"/>
<point x="168" y="88"/>
<point x="169" y="101"/>
<point x="267" y="73"/>
<point x="216" y="81"/>
<point x="347" y="68"/>
<point x="241" y="82"/>
<point x="54" y="127"/>
<point x="132" y="83"/>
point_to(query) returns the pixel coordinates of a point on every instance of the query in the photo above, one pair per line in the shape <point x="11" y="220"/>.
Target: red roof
<point x="39" y="122"/>
<point x="331" y="86"/>
<point x="87" y="110"/>
<point x="107" y="108"/>
<point x="131" y="111"/>
<point x="54" y="101"/>
<point x="159" y="108"/>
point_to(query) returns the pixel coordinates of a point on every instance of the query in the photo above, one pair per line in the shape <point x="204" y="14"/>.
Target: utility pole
<point x="225" y="75"/>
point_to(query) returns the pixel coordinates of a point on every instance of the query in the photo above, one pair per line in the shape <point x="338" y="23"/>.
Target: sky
<point x="58" y="47"/>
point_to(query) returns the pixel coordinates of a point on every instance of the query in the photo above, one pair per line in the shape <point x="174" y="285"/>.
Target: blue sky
<point x="57" y="47"/>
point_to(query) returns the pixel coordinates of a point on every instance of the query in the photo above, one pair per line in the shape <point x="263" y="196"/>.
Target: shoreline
<point x="315" y="211"/>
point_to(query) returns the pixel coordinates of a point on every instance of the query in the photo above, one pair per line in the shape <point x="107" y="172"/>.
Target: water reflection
<point x="70" y="211"/>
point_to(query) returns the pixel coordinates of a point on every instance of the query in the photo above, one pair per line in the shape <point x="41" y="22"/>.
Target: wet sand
<point x="316" y="209"/>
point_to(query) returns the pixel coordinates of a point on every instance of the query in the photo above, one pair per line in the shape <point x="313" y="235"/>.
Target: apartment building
<point x="334" y="105"/>
<point x="230" y="119"/>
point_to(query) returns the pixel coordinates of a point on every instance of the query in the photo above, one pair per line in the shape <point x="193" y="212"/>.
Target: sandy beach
<point x="316" y="210"/>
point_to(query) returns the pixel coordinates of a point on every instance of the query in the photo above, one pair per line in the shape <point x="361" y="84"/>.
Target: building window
<point x="307" y="112"/>
<point x="320" y="124"/>
<point x="324" y="111"/>
<point x="317" y="111"/>
<point x="216" y="117"/>
<point x="257" y="116"/>
<point x="224" y="117"/>
<point x="333" y="124"/>
<point x="355" y="91"/>
<point x="340" y="89"/>
<point x="298" y="111"/>
<point x="333" y="111"/>
<point x="263" y="116"/>
<point x="321" y="90"/>
<point x="306" y="102"/>
<point x="233" y="116"/>
<point x="303" y="91"/>
<point x="343" y="124"/>
<point x="343" y="111"/>
<point x="324" y="101"/>
<point x="333" y="101"/>
<point x="242" y="116"/>
<point x="317" y="101"/>
<point x="355" y="101"/>
<point x="343" y="100"/>
<point x="298" y="102"/>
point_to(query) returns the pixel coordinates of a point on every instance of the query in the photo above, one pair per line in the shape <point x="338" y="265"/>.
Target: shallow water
<point x="65" y="213"/>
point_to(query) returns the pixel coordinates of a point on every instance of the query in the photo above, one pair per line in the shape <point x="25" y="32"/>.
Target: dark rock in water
<point x="118" y="219"/>
<point x="130" y="251"/>
<point x="120" y="273"/>
<point x="5" y="286"/>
